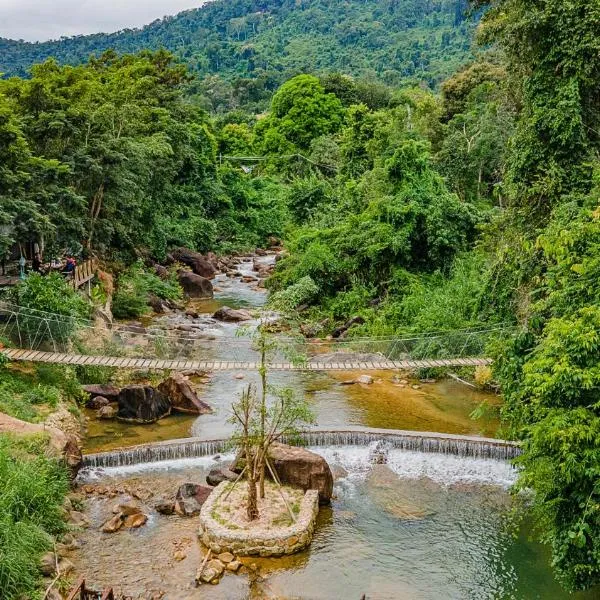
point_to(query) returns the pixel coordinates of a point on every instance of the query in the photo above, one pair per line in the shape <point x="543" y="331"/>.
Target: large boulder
<point x="195" y="261"/>
<point x="194" y="285"/>
<point x="298" y="467"/>
<point x="232" y="315"/>
<point x="142" y="404"/>
<point x="190" y="497"/>
<point x="183" y="398"/>
<point x="60" y="444"/>
<point x="108" y="391"/>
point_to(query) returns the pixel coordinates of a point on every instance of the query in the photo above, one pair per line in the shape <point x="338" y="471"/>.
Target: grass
<point x="32" y="492"/>
<point x="29" y="393"/>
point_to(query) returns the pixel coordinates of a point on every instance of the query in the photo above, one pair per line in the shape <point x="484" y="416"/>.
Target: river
<point x="423" y="526"/>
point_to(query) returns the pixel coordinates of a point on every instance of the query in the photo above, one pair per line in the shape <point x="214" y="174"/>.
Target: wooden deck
<point x="198" y="365"/>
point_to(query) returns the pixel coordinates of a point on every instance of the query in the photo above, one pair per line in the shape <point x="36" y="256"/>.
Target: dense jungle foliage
<point x="242" y="50"/>
<point x="110" y="158"/>
<point x="415" y="209"/>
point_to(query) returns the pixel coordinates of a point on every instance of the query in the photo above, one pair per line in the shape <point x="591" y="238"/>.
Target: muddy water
<point x="444" y="406"/>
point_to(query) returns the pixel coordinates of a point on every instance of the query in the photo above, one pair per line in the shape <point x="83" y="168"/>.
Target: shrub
<point x="295" y="295"/>
<point x="135" y="287"/>
<point x="37" y="298"/>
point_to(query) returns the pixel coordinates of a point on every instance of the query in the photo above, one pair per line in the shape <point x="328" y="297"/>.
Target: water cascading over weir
<point x="416" y="441"/>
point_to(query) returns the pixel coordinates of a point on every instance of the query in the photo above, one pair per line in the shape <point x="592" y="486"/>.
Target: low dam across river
<point x="457" y="445"/>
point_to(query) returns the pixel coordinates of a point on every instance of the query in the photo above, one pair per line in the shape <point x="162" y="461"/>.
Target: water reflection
<point x="393" y="531"/>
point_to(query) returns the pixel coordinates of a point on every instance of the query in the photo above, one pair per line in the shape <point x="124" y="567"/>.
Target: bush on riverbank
<point x="134" y="288"/>
<point x="30" y="393"/>
<point x="31" y="495"/>
<point x="39" y="298"/>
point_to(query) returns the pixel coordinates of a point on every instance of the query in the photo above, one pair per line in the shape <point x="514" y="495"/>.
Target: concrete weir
<point x="419" y="441"/>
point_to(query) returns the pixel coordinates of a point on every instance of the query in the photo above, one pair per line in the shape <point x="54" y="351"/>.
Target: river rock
<point x="217" y="476"/>
<point x="135" y="521"/>
<point x="182" y="396"/>
<point x="113" y="524"/>
<point x="64" y="446"/>
<point x="161" y="271"/>
<point x="195" y="261"/>
<point x="106" y="412"/>
<point x="226" y="557"/>
<point x="142" y="404"/>
<point x="341" y="331"/>
<point x="48" y="564"/>
<point x="300" y="468"/>
<point x="158" y="305"/>
<point x="189" y="499"/>
<point x="165" y="507"/>
<point x="233" y="566"/>
<point x="97" y="402"/>
<point x="364" y="379"/>
<point x="108" y="391"/>
<point x="129" y="509"/>
<point x="194" y="285"/>
<point x="232" y="315"/>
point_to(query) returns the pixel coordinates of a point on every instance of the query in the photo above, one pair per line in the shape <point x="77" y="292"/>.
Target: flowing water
<point x="426" y="525"/>
<point x="444" y="406"/>
<point x="423" y="526"/>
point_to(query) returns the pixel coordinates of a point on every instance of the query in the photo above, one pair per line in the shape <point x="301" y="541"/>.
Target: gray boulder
<point x="190" y="497"/>
<point x="142" y="404"/>
<point x="195" y="286"/>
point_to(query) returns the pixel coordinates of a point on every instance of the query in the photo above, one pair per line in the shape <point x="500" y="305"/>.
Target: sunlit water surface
<point x="424" y="526"/>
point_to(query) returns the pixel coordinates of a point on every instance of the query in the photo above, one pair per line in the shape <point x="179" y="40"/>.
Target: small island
<point x="285" y="525"/>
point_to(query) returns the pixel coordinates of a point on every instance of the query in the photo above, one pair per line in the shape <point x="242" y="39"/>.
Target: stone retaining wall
<point x="275" y="541"/>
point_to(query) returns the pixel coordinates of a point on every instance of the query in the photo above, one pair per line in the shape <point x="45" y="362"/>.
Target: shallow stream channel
<point x="425" y="525"/>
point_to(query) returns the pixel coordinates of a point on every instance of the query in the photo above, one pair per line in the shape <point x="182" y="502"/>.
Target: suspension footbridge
<point x="43" y="337"/>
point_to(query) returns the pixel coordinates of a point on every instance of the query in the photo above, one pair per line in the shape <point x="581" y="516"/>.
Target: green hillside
<point x="255" y="45"/>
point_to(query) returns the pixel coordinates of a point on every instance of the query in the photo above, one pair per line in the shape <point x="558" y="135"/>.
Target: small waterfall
<point x="414" y="441"/>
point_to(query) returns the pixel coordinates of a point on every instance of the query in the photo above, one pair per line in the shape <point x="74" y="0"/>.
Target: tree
<point x="552" y="48"/>
<point x="301" y="111"/>
<point x="264" y="419"/>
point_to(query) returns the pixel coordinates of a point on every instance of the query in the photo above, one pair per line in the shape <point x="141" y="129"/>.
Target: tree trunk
<point x="252" y="508"/>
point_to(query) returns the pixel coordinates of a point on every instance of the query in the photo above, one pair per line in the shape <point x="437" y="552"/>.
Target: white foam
<point x="444" y="469"/>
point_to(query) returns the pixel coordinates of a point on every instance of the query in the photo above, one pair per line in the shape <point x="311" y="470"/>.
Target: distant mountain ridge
<point x="274" y="39"/>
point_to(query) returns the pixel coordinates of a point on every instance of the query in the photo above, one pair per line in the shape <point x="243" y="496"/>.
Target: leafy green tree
<point x="301" y="111"/>
<point x="551" y="46"/>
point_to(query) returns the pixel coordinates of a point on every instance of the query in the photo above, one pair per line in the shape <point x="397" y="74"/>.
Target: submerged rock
<point x="142" y="404"/>
<point x="190" y="497"/>
<point x="393" y="495"/>
<point x="182" y="396"/>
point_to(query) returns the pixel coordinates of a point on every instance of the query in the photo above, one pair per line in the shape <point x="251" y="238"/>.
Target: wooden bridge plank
<point x="187" y="364"/>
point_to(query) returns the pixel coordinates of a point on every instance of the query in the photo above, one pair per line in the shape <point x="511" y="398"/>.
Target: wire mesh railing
<point x="33" y="329"/>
